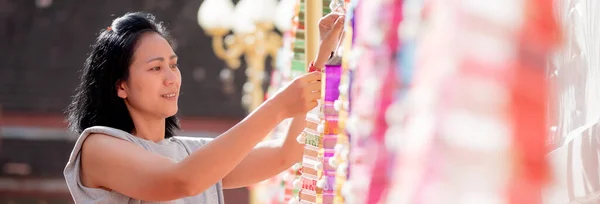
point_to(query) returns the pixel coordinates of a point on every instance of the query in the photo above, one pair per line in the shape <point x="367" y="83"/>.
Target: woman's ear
<point x="121" y="89"/>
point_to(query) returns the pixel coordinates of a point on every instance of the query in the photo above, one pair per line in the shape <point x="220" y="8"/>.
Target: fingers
<point x="335" y="28"/>
<point x="313" y="90"/>
<point x="314" y="86"/>
<point x="311" y="105"/>
<point x="330" y="18"/>
<point x="315" y="95"/>
<point x="328" y="43"/>
<point x="312" y="77"/>
<point x="340" y="9"/>
<point x="339" y="23"/>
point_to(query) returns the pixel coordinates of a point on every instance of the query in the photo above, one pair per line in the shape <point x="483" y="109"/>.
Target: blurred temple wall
<point x="44" y="43"/>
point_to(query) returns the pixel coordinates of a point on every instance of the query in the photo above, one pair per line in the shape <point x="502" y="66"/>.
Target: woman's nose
<point x="170" y="77"/>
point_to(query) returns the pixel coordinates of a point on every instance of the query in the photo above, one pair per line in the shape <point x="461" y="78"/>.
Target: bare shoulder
<point x="114" y="164"/>
<point x="97" y="153"/>
<point x="97" y="144"/>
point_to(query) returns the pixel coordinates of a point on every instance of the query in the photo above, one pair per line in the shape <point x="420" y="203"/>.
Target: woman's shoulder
<point x="99" y="134"/>
<point x="104" y="130"/>
<point x="109" y="132"/>
<point x="93" y="141"/>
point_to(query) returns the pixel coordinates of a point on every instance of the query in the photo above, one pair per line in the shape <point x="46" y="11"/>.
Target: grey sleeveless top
<point x="176" y="148"/>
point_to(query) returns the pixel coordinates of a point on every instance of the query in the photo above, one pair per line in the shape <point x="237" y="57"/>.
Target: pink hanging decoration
<point x="392" y="14"/>
<point x="538" y="37"/>
<point x="333" y="74"/>
<point x="376" y="84"/>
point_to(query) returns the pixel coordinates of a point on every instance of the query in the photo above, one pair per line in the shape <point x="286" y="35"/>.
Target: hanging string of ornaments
<point x="431" y="102"/>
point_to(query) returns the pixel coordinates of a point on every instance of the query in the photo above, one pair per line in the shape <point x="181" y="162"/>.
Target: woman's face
<point x="154" y="78"/>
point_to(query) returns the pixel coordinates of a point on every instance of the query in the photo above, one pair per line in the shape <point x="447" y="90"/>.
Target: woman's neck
<point x="149" y="128"/>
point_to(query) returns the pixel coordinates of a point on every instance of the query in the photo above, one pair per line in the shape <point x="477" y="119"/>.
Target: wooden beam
<point x="314" y="11"/>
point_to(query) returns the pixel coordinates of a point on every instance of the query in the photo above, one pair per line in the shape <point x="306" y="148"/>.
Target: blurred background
<point x="43" y="44"/>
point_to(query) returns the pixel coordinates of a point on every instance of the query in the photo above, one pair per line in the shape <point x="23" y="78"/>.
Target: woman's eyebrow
<point x="161" y="58"/>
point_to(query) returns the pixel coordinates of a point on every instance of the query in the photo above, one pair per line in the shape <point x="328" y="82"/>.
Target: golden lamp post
<point x="253" y="37"/>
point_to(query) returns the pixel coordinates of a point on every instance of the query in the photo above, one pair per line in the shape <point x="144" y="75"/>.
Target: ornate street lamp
<point x="252" y="23"/>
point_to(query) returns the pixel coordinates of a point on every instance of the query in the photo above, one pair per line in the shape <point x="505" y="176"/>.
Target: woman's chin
<point x="170" y="112"/>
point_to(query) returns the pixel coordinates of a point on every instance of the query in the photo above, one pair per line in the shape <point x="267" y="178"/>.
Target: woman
<point x="124" y="110"/>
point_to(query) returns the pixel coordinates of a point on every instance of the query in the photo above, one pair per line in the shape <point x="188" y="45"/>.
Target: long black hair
<point x="95" y="102"/>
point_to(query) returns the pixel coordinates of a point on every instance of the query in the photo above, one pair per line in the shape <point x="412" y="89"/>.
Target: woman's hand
<point x="327" y="22"/>
<point x="330" y="32"/>
<point x="300" y="96"/>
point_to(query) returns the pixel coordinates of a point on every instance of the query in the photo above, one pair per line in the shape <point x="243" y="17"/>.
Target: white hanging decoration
<point x="297" y="166"/>
<point x="319" y="166"/>
<point x="321" y="128"/>
<point x="333" y="162"/>
<point x="297" y="184"/>
<point x="321" y="182"/>
<point x="337" y="105"/>
<point x="301" y="139"/>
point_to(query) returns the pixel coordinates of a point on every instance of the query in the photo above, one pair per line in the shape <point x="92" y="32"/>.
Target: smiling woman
<point x="136" y="42"/>
<point x="153" y="77"/>
<point x="124" y="111"/>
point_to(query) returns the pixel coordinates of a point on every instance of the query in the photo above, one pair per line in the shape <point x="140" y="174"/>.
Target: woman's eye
<point x="155" y="68"/>
<point x="173" y="66"/>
